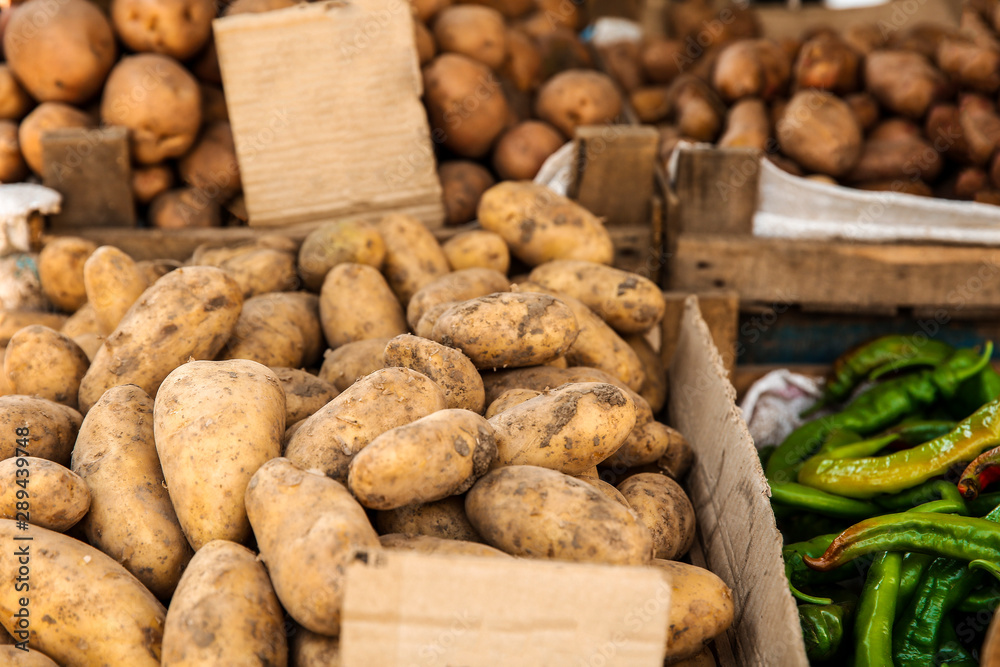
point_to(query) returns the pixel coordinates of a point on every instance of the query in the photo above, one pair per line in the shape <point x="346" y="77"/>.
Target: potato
<point x="437" y="545"/>
<point x="113" y="283"/>
<point x="523" y="63"/>
<point x="451" y="81"/>
<point x="224" y="612"/>
<point x="510" y="399"/>
<point x="307" y="527"/>
<point x="980" y="126"/>
<point x="539" y="378"/>
<point x="654" y="386"/>
<point x="653" y="442"/>
<point x="477" y="249"/>
<point x="701" y="607"/>
<point x="698" y="112"/>
<point x="540" y="225"/>
<point x="865" y="109"/>
<point x="188" y="313"/>
<point x="473" y="31"/>
<point x="340" y="242"/>
<point x="211" y="165"/>
<point x="150" y="181"/>
<point x="895" y="129"/>
<point x="413" y="257"/>
<point x="626" y="301"/>
<point x="505" y="329"/>
<point x="652" y="104"/>
<point x="448" y="367"/>
<point x="356" y="303"/>
<point x="569" y="429"/>
<point x="442" y="518"/>
<point x="14" y="99"/>
<point x="971" y="180"/>
<point x="43" y="362"/>
<point x="348" y="363"/>
<point x="98" y="613"/>
<point x="662" y="59"/>
<point x="309" y="649"/>
<point x="213" y="100"/>
<point x="59" y="497"/>
<point x="425" y="10"/>
<point x="13" y="168"/>
<point x="426" y="324"/>
<point x="453" y="288"/>
<point x="165" y="123"/>
<point x="62" y="52"/>
<point x="177" y="28"/>
<point x="131" y="517"/>
<point x="747" y="126"/>
<point x="562" y="50"/>
<point x="541" y="513"/>
<point x="751" y="68"/>
<point x="901" y="159"/>
<point x="61" y="269"/>
<point x="258" y="267"/>
<point x="970" y="65"/>
<point x="154" y="269"/>
<point x="826" y="62"/>
<point x="304" y="393"/>
<point x="15" y="657"/>
<point x="463" y="183"/>
<point x="904" y="81"/>
<point x="182" y="208"/>
<point x="820" y="132"/>
<point x="426" y="46"/>
<point x="664" y="509"/>
<point x="524" y="148"/>
<point x="434" y="457"/>
<point x="50" y="428"/>
<point x="266" y="332"/>
<point x="377" y="403"/>
<point x="578" y="97"/>
<point x="607" y="489"/>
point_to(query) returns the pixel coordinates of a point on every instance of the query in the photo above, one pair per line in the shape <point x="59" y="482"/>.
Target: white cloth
<point x="772" y="405"/>
<point x="17" y="202"/>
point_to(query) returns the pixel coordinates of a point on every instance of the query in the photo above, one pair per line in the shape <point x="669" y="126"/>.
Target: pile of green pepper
<point x="916" y="578"/>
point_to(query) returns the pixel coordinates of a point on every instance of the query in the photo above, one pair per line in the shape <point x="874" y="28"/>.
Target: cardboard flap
<point x="414" y="609"/>
<point x="324" y="102"/>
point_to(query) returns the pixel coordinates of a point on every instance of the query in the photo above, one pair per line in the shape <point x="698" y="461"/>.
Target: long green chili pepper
<point x="917" y="432"/>
<point x="981" y="388"/>
<point x="984" y="504"/>
<point x="983" y="471"/>
<point x="823" y="627"/>
<point x="798" y="574"/>
<point x="877" y="611"/>
<point x="987" y="599"/>
<point x="790" y="494"/>
<point x="859" y="449"/>
<point x="912" y="571"/>
<point x="838" y="438"/>
<point x="951" y="652"/>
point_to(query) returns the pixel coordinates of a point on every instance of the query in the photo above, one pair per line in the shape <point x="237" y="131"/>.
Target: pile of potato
<point x="209" y="444"/>
<point x="908" y="109"/>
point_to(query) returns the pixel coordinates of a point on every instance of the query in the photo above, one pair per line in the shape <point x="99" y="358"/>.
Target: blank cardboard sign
<point x="324" y="102"/>
<point x="414" y="610"/>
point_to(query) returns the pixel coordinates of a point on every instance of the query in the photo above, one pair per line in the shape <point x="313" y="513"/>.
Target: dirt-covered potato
<point x="664" y="509"/>
<point x="211" y="164"/>
<point x="477" y="249"/>
<point x="38" y="427"/>
<point x="455" y="287"/>
<point x="540" y="225"/>
<point x="437" y="545"/>
<point x="443" y="518"/>
<point x="578" y="97"/>
<point x="541" y="513"/>
<point x="473" y="31"/>
<point x="266" y="265"/>
<point x="341" y="242"/>
<point x="570" y="429"/>
<point x="508" y="330"/>
<point x="177" y="28"/>
<point x="45" y="363"/>
<point x="98" y="613"/>
<point x="224" y="611"/>
<point x="60" y="52"/>
<point x="463" y="183"/>
<point x="356" y="303"/>
<point x="304" y="393"/>
<point x="268" y="332"/>
<point x="165" y="123"/>
<point x="154" y="269"/>
<point x="820" y="132"/>
<point x="450" y="81"/>
<point x="12" y="656"/>
<point x="113" y="283"/>
<point x="182" y="208"/>
<point x="413" y="256"/>
<point x="187" y="314"/>
<point x="150" y="181"/>
<point x="349" y="363"/>
<point x="653" y="442"/>
<point x="307" y="528"/>
<point x="14" y="99"/>
<point x="60" y="270"/>
<point x="904" y="81"/>
<point x="607" y="489"/>
<point x="969" y="64"/>
<point x="432" y="458"/>
<point x="59" y="497"/>
<point x="540" y="378"/>
<point x="524" y="148"/>
<point x="509" y="399"/>
<point x="309" y="649"/>
<point x="13" y="168"/>
<point x="382" y="401"/>
<point x="452" y="370"/>
<point x="215" y="424"/>
<point x="701" y="607"/>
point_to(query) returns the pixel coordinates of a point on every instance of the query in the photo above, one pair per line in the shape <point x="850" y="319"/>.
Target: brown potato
<point x="970" y="65"/>
<point x="664" y="509"/>
<point x="12" y="321"/>
<point x="701" y="607"/>
<point x="444" y="519"/>
<point x="662" y="59"/>
<point x="698" y="112"/>
<point x="820" y="132"/>
<point x="747" y="125"/>
<point x="61" y="269"/>
<point x="426" y="324"/>
<point x="305" y="393"/>
<point x="654" y="386"/>
<point x="113" y="282"/>
<point x="652" y="103"/>
<point x="348" y="363"/>
<point x="425" y="10"/>
<point x="455" y="287"/>
<point x="61" y="52"/>
<point x="260" y="267"/>
<point x="15" y="657"/>
<point x="578" y="97"/>
<point x="426" y="46"/>
<point x="452" y="370"/>
<point x="267" y="332"/>
<point x="751" y="68"/>
<point x="904" y="81"/>
<point x="653" y="442"/>
<point x="522" y="150"/>
<point x="523" y="63"/>
<point x="909" y="159"/>
<point x="14" y="99"/>
<point x="45" y="363"/>
<point x="980" y="127"/>
<point x="163" y="120"/>
<point x="477" y="248"/>
<point x="211" y="165"/>
<point x="13" y="168"/>
<point x="59" y="497"/>
<point x="437" y="545"/>
<point x="462" y="183"/>
<point x="50" y="428"/>
<point x="177" y="28"/>
<point x="509" y="399"/>
<point x="183" y="208"/>
<point x="309" y="649"/>
<point x="827" y="63"/>
<point x="413" y="257"/>
<point x="341" y="242"/>
<point x="473" y="31"/>
<point x="541" y="513"/>
<point x="356" y="304"/>
<point x="865" y="109"/>
<point x="607" y="489"/>
<point x="45" y="117"/>
<point x="863" y="37"/>
<point x="148" y="182"/>
<point x="466" y="104"/>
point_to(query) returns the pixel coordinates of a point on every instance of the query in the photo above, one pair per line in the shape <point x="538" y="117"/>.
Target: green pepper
<point x="983" y="471"/>
<point x="799" y="574"/>
<point x="823" y="627"/>
<point x="936" y="489"/>
<point x="911" y="572"/>
<point x="984" y="504"/>
<point x="978" y="390"/>
<point x="919" y="431"/>
<point x="877" y="612"/>
<point x="951" y="652"/>
<point x="987" y="599"/>
<point x="798" y="496"/>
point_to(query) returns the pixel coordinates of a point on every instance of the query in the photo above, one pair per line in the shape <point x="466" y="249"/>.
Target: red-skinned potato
<point x="177" y="28"/>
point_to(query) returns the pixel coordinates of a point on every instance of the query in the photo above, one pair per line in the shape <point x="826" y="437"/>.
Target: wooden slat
<point x="719" y="309"/>
<point x="716" y="191"/>
<point x="615" y="172"/>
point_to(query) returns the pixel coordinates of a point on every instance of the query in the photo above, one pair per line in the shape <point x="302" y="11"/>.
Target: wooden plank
<point x="716" y="191"/>
<point x="778" y="22"/>
<point x="90" y="168"/>
<point x="720" y="310"/>
<point x="615" y="172"/>
<point x="821" y="272"/>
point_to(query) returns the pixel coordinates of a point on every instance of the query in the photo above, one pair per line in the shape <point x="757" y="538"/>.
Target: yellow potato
<point x="476" y="32"/>
<point x="113" y="282"/>
<point x="56" y="497"/>
<point x="434" y="457"/>
<point x="215" y="424"/>
<point x="413" y="257"/>
<point x="426" y="324"/>
<point x="462" y="384"/>
<point x="654" y="385"/>
<point x="38" y="427"/>
<point x="541" y="513"/>
<point x="177" y="28"/>
<point x="477" y="248"/>
<point x="540" y="225"/>
<point x="43" y="362"/>
<point x="653" y="442"/>
<point x="454" y="287"/>
<point x="83" y="321"/>
<point x="304" y="393"/>
<point x="266" y="332"/>
<point x="341" y="242"/>
<point x="437" y="545"/>
<point x="349" y="363"/>
<point x="154" y="269"/>
<point x="14" y="99"/>
<point x="309" y="649"/>
<point x="98" y="613"/>
<point x="188" y="313"/>
<point x="608" y="490"/>
<point x="258" y="268"/>
<point x="509" y="399"/>
<point x="12" y="656"/>
<point x="382" y="401"/>
<point x="60" y="270"/>
<point x="356" y="303"/>
<point x="664" y="509"/>
<point x="442" y="518"/>
<point x="504" y="329"/>
<point x="701" y="608"/>
<point x="131" y="517"/>
<point x="224" y="611"/>
<point x="12" y="321"/>
<point x="308" y="528"/>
